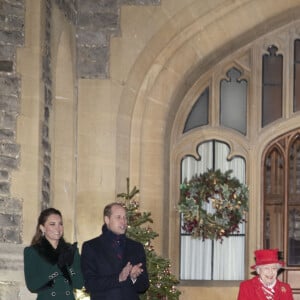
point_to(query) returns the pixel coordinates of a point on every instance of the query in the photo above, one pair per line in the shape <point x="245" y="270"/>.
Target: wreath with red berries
<point x="213" y="204"/>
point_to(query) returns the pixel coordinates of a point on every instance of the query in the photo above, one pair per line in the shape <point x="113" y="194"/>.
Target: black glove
<point x="66" y="256"/>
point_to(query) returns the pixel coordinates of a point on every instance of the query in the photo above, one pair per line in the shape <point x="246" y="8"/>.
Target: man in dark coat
<point x="114" y="266"/>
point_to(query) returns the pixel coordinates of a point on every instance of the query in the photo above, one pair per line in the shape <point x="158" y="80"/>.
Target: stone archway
<point x="194" y="43"/>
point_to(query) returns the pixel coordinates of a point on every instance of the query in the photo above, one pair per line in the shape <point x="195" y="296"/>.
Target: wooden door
<point x="281" y="199"/>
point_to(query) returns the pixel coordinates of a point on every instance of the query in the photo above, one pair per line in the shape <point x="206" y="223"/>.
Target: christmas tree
<point x="162" y="282"/>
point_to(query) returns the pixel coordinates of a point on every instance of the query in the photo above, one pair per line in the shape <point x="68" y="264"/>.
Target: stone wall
<point x="141" y="76"/>
<point x="11" y="37"/>
<point x="95" y="23"/>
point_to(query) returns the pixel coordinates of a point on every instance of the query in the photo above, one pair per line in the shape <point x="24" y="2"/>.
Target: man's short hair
<point x="108" y="207"/>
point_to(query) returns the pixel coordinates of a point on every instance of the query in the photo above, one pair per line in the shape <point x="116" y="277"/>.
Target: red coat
<point x="251" y="290"/>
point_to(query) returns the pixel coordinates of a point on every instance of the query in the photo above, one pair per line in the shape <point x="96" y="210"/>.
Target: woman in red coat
<point x="265" y="286"/>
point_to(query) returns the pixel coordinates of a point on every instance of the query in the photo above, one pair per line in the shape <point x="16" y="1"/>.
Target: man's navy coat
<point x="101" y="269"/>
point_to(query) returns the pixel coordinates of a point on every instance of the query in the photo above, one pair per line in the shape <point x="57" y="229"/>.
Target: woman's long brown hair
<point x="41" y="221"/>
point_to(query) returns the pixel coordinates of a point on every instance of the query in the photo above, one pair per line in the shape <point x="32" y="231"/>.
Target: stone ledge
<point x="9" y="290"/>
<point x="12" y="283"/>
<point x="11" y="263"/>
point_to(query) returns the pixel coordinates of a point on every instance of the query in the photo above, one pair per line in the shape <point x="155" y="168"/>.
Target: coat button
<point x="68" y="293"/>
<point x="53" y="294"/>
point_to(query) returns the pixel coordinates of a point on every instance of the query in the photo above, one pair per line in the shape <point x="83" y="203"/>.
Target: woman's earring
<point x="43" y="233"/>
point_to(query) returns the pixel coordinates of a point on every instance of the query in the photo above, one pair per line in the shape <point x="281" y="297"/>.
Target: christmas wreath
<point x="213" y="204"/>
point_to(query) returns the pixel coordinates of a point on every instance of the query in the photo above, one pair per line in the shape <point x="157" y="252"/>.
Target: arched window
<point x="272" y="86"/>
<point x="246" y="119"/>
<point x="199" y="114"/>
<point x="233" y="102"/>
<point x="296" y="103"/>
<point x="204" y="260"/>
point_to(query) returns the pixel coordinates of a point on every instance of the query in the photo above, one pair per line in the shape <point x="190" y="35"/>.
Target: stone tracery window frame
<point x="192" y="137"/>
<point x="249" y="59"/>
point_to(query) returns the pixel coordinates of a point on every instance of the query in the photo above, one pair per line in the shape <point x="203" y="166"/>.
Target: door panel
<point x="281" y="200"/>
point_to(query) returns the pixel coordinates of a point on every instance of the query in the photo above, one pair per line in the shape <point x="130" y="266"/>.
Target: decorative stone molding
<point x="96" y="22"/>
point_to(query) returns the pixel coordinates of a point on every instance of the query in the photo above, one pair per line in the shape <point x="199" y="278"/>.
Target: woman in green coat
<point x="52" y="266"/>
